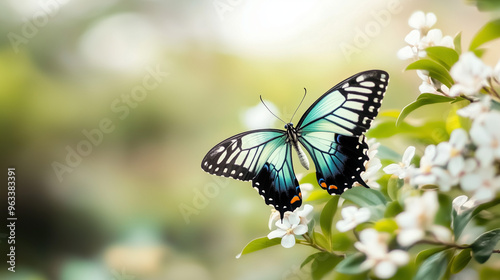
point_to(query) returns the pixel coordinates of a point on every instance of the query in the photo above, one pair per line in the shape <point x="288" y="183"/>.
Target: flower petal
<point x="277" y="233"/>
<point x="385" y="269"/>
<point x="288" y="241"/>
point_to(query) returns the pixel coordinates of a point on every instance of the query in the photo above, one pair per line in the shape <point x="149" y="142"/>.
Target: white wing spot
<point x="263" y="191"/>
<point x="206" y="163"/>
<point x="367" y="84"/>
<point x="225" y="170"/>
<point x="210" y="166"/>
<point x="233" y="172"/>
<point x="270" y="199"/>
<point x="257" y="183"/>
<point x="345" y="85"/>
<point x="216" y="169"/>
<point x="360" y="78"/>
<point x="359" y="89"/>
<point x="241" y="174"/>
<point x="220" y="149"/>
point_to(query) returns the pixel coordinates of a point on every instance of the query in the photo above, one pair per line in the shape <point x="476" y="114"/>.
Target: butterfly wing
<point x="262" y="156"/>
<point x="332" y="129"/>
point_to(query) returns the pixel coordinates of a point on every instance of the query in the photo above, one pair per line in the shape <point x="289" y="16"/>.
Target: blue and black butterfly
<point x="331" y="130"/>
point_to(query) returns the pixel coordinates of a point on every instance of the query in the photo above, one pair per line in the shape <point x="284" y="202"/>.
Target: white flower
<point x="411" y="51"/>
<point x="403" y="168"/>
<point x="453" y="151"/>
<point x="463" y="203"/>
<point x="259" y="117"/>
<point x="483" y="183"/>
<point x="486" y="135"/>
<point x="304" y="213"/>
<point x="287" y="229"/>
<point x="431" y="169"/>
<point x="352" y="216"/>
<point x="372" y="166"/>
<point x="417" y="218"/>
<point x="476" y="110"/>
<point x="421" y="21"/>
<point x="470" y="73"/>
<point x="378" y="257"/>
<point x="430" y="85"/>
<point x="435" y="38"/>
<point x="496" y="72"/>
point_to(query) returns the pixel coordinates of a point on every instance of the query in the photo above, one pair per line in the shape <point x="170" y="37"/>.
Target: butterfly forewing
<point x="332" y="129"/>
<point x="243" y="155"/>
<point x="349" y="107"/>
<point x="262" y="156"/>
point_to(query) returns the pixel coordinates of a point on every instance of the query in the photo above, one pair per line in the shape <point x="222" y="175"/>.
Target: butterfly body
<point x="293" y="138"/>
<point x="331" y="131"/>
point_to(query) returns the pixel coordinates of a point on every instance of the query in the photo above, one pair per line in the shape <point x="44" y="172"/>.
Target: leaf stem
<point x="310" y="242"/>
<point x="449" y="245"/>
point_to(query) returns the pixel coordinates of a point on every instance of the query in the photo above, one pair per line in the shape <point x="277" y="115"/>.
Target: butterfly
<point x="332" y="132"/>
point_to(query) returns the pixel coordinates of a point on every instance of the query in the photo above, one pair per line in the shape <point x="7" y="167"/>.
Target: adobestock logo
<point x="224" y="6"/>
<point x="39" y="19"/>
<point x="120" y="106"/>
<point x="363" y="36"/>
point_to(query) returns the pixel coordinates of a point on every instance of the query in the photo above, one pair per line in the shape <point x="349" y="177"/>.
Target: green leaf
<point x="326" y="218"/>
<point x="259" y="244"/>
<point x="460" y="221"/>
<point x="323" y="263"/>
<point x="351" y="264"/>
<point x="393" y="187"/>
<point x="443" y="55"/>
<point x="425" y="254"/>
<point x="484" y="245"/>
<point x="488" y="32"/>
<point x="434" y="267"/>
<point x="386" y="225"/>
<point x="393" y="209"/>
<point x="341" y="242"/>
<point x="443" y="216"/>
<point x="309" y="179"/>
<point x="485" y="5"/>
<point x="364" y="197"/>
<point x="321" y="240"/>
<point x="460" y="261"/>
<point x="318" y="195"/>
<point x="457" y="41"/>
<point x="422" y="100"/>
<point x="436" y="70"/>
<point x="309" y="259"/>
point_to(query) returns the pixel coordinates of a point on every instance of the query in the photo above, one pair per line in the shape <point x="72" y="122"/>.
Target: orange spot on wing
<point x="323" y="185"/>
<point x="300" y="194"/>
<point x="332" y="187"/>
<point x="294" y="199"/>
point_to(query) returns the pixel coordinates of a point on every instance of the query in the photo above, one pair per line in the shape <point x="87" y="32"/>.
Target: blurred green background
<point x="116" y="212"/>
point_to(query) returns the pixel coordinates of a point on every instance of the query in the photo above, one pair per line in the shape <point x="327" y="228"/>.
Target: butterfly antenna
<point x="270" y="109"/>
<point x="305" y="92"/>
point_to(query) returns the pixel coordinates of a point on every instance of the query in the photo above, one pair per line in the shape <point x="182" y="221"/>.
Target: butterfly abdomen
<point x="293" y="139"/>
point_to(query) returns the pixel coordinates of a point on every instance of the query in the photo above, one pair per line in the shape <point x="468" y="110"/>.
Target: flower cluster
<point x="406" y="214"/>
<point x="421" y="37"/>
<point x="378" y="257"/>
<point x="293" y="223"/>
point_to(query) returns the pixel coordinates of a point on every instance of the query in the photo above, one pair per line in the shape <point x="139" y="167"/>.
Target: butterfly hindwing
<point x="339" y="159"/>
<point x="262" y="156"/>
<point x="276" y="181"/>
